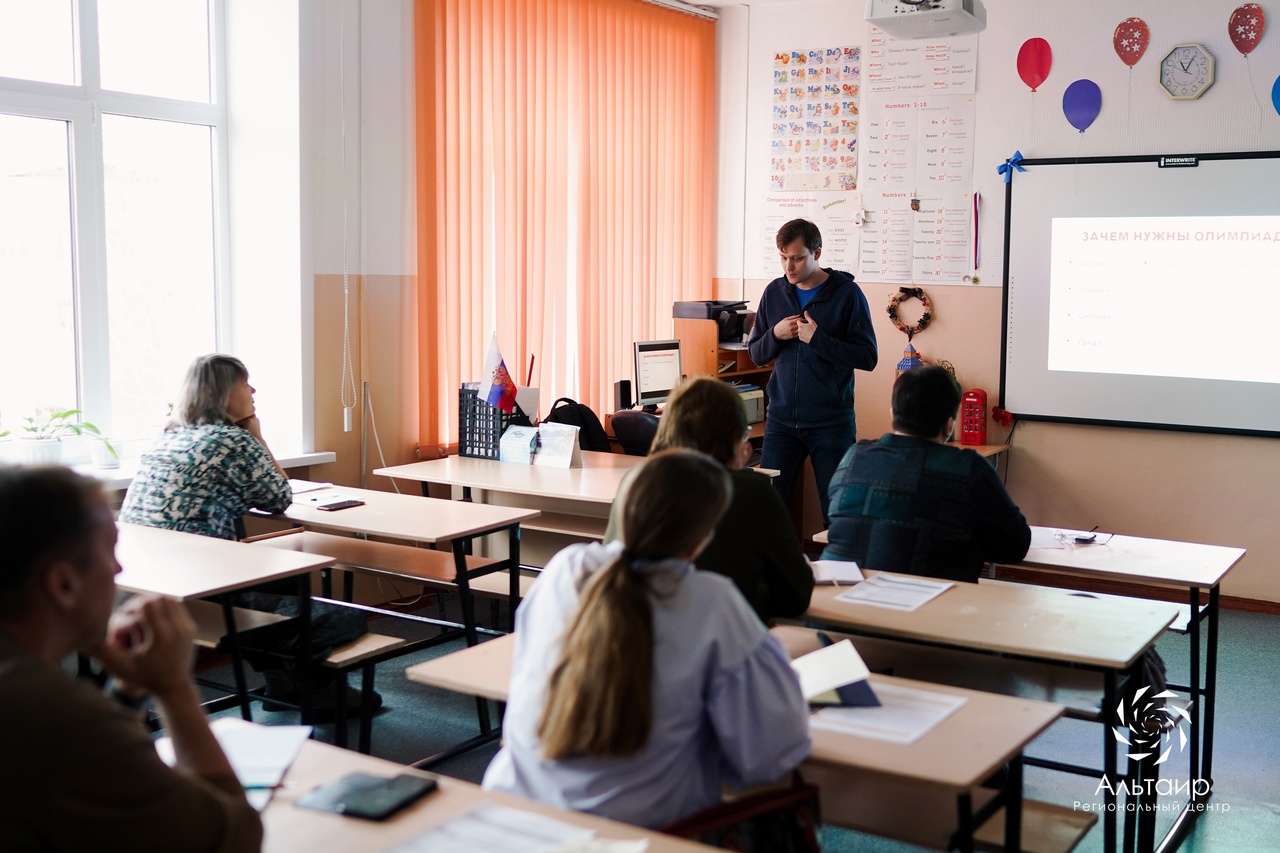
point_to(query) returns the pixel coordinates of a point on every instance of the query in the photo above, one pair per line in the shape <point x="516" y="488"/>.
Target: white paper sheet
<point x="895" y="592"/>
<point x="300" y="486"/>
<point x="833" y="666"/>
<point x="1046" y="537"/>
<point x="836" y="572"/>
<point x="904" y="715"/>
<point x="259" y="754"/>
<point x="490" y="828"/>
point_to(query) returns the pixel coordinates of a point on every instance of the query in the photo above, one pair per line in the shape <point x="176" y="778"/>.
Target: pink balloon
<point x="1245" y="27"/>
<point x="1130" y="40"/>
<point x="1035" y="57"/>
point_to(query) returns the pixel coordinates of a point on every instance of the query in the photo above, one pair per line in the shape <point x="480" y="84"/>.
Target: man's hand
<point x="787" y="328"/>
<point x="148" y="647"/>
<point x="805" y="327"/>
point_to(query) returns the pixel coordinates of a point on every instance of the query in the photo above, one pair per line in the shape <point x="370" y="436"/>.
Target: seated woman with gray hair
<point x="211" y="466"/>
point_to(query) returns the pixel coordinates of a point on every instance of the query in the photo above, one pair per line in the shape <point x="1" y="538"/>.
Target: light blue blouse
<point x="727" y="705"/>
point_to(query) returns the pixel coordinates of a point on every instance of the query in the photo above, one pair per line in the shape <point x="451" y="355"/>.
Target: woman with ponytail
<point x="640" y="685"/>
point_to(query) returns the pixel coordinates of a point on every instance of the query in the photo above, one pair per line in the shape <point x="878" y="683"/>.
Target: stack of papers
<point x="895" y="592"/>
<point x="490" y="828"/>
<point x="300" y="486"/>
<point x="904" y="715"/>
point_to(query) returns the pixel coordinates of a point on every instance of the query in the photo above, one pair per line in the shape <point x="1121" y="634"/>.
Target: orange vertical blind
<point x="566" y="189"/>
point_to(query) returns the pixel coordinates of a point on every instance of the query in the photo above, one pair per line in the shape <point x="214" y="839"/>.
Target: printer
<point x="732" y="318"/>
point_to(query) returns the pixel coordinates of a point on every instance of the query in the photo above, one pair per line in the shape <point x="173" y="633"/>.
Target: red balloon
<point x="1245" y="27"/>
<point x="1034" y="59"/>
<point x="1130" y="40"/>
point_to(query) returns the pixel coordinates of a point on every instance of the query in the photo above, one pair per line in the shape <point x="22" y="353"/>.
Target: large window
<point x="111" y="152"/>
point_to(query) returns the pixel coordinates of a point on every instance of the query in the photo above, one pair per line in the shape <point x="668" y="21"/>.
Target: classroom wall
<point x="358" y="95"/>
<point x="1215" y="489"/>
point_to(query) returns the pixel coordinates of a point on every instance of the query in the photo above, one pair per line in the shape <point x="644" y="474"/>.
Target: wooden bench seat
<point x="211" y="628"/>
<point x="389" y="558"/>
<point x="1046" y="828"/>
<point x="363" y="653"/>
<point x="405" y="562"/>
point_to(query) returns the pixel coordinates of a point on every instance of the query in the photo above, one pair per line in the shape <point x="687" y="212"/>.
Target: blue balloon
<point x="1081" y="103"/>
<point x="1275" y="94"/>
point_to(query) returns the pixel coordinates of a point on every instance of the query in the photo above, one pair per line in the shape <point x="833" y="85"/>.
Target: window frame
<point x="81" y="105"/>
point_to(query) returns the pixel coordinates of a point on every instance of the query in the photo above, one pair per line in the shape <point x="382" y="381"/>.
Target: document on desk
<point x="491" y="828"/>
<point x="300" y="486"/>
<point x="259" y="754"/>
<point x="905" y="714"/>
<point x="835" y="572"/>
<point x="1047" y="537"/>
<point x="895" y="592"/>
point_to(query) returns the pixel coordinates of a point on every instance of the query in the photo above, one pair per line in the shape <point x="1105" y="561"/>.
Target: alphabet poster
<point x="814" y="144"/>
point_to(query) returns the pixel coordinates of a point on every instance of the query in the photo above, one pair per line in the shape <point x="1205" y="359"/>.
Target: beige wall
<point x="384" y="353"/>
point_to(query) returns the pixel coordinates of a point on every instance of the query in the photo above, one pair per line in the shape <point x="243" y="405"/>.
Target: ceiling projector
<point x="919" y="19"/>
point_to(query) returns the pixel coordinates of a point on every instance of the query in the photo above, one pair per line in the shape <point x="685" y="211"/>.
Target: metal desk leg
<point x="513" y="567"/>
<point x="237" y="661"/>
<point x="1148" y="803"/>
<point x="1109" y="765"/>
<point x="1013" y="806"/>
<point x="304" y="659"/>
<point x="1210" y="687"/>
<point x="1132" y="804"/>
<point x="464" y="589"/>
<point x="964" y="822"/>
<point x="1198" y="717"/>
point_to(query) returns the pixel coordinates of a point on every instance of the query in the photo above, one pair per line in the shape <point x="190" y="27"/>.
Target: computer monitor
<point x="657" y="372"/>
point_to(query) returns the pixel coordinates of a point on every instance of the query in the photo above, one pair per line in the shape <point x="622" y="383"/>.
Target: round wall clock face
<point x="1186" y="71"/>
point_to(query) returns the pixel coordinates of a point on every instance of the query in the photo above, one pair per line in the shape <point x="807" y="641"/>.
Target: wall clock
<point x="1186" y="71"/>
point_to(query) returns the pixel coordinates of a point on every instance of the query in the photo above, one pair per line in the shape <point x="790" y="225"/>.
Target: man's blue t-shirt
<point x="805" y="295"/>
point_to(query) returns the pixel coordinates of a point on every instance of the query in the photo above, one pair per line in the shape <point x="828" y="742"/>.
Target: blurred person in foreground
<point x="83" y="773"/>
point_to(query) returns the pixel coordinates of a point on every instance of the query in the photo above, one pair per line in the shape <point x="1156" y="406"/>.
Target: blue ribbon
<point x="1014" y="162"/>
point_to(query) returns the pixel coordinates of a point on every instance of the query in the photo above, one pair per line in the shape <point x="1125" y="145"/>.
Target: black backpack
<point x="591" y="434"/>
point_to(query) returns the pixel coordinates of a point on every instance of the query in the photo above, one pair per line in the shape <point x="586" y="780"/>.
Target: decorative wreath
<point x="903" y="294"/>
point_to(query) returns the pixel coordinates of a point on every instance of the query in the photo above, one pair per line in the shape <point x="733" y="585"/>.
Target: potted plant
<point x="40" y="437"/>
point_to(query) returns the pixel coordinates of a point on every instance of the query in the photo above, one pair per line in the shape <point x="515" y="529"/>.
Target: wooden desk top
<point x="985" y="450"/>
<point x="186" y="565"/>
<point x="960" y="752"/>
<point x="290" y="829"/>
<point x="410" y="517"/>
<point x="595" y="482"/>
<point x="1158" y="562"/>
<point x="1047" y="624"/>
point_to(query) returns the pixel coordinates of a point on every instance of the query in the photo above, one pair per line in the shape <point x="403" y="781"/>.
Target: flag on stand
<point x="502" y="391"/>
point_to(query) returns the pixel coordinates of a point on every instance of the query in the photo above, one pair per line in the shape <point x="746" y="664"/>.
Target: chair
<point x="635" y="430"/>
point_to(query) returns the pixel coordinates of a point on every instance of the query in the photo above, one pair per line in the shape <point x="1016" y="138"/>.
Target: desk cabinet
<point x="701" y="354"/>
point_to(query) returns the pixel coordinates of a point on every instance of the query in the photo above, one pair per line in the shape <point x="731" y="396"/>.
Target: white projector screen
<point x="1142" y="294"/>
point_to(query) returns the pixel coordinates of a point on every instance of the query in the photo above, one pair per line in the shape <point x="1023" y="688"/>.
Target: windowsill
<point x="118" y="479"/>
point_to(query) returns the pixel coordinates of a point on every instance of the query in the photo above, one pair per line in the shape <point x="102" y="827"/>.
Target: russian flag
<point x="502" y="391"/>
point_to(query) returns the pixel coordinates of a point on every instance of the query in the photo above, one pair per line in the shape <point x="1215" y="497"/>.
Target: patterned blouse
<point x="201" y="479"/>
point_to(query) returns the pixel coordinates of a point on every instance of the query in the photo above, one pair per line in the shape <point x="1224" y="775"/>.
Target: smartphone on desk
<point x="384" y="800"/>
<point x="331" y="503"/>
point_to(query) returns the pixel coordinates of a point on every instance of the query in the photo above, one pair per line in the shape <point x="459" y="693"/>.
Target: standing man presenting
<point x="816" y="325"/>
